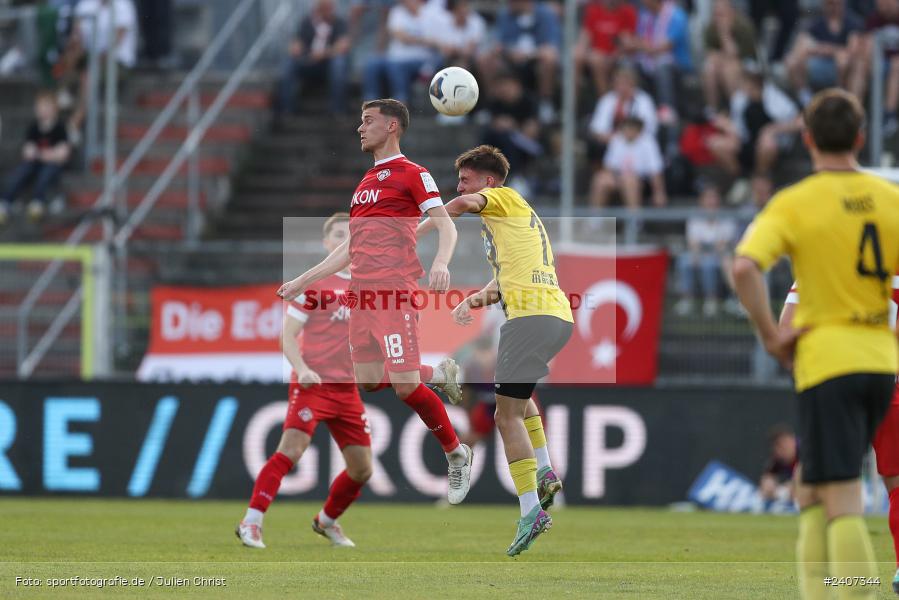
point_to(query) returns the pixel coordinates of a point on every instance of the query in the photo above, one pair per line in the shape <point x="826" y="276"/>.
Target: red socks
<point x="894" y="521"/>
<point x="425" y="373"/>
<point x="343" y="492"/>
<point x="269" y="480"/>
<point x="431" y="410"/>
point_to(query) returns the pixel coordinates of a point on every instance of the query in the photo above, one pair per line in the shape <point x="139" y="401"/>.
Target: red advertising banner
<point x="617" y="304"/>
<point x="232" y="333"/>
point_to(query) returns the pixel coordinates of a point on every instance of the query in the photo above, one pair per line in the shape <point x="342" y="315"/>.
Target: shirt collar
<point x="388" y="159"/>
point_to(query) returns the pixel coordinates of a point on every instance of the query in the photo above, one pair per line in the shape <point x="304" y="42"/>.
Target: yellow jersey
<point x="841" y="230"/>
<point x="519" y="251"/>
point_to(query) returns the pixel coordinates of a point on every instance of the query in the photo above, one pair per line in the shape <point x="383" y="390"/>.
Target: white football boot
<point x="333" y="533"/>
<point x="250" y="534"/>
<point x="451" y="386"/>
<point x="460" y="478"/>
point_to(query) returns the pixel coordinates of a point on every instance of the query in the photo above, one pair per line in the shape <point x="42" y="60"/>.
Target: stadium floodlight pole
<point x="875" y="116"/>
<point x="569" y="119"/>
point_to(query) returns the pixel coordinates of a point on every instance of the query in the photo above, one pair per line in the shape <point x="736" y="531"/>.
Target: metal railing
<point x="116" y="180"/>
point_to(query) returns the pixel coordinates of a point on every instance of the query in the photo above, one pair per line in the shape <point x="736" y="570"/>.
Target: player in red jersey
<point x="321" y="389"/>
<point x="886" y="440"/>
<point x="381" y="253"/>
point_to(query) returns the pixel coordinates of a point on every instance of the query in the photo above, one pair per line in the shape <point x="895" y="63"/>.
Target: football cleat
<point x="548" y="485"/>
<point x="250" y="534"/>
<point x="460" y="478"/>
<point x="896" y="582"/>
<point x="333" y="532"/>
<point x="529" y="527"/>
<point x="451" y="386"/>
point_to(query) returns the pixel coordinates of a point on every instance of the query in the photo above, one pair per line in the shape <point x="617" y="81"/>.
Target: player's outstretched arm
<point x="439" y="278"/>
<point x="290" y="331"/>
<point x="333" y="263"/>
<point x="469" y="203"/>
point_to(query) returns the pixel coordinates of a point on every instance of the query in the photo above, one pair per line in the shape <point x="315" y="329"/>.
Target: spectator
<point x="762" y="124"/>
<point x="625" y="100"/>
<point x="606" y="24"/>
<point x="884" y="21"/>
<point x="409" y="51"/>
<point x="94" y="24"/>
<point x="662" y="49"/>
<point x="729" y="40"/>
<point x="632" y="162"/>
<point x="157" y="28"/>
<point x="460" y="34"/>
<point x="514" y="128"/>
<point x="776" y="480"/>
<point x="825" y="51"/>
<point x="787" y="13"/>
<point x="45" y="153"/>
<point x="529" y="41"/>
<point x="318" y="52"/>
<point x="709" y="238"/>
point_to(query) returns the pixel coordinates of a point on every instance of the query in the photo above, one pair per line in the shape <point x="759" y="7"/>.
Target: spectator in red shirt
<point x="606" y="24"/>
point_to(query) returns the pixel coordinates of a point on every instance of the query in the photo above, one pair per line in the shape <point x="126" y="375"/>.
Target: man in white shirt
<point x="101" y="25"/>
<point x="625" y="100"/>
<point x="459" y="33"/>
<point x="410" y="51"/>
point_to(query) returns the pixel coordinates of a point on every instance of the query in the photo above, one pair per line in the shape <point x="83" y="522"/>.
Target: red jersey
<point x="605" y="24"/>
<point x="384" y="213"/>
<point x="324" y="341"/>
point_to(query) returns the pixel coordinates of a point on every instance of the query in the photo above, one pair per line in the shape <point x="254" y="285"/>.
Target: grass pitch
<point x="403" y="551"/>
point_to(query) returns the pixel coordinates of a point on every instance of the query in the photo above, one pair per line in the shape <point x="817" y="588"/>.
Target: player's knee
<point x="292" y="451"/>
<point x="359" y="473"/>
<point x="404" y="390"/>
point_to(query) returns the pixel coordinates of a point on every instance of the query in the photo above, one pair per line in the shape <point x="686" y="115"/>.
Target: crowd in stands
<point x="69" y="32"/>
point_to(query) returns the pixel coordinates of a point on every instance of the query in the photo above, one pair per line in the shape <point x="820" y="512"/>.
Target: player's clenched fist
<point x="462" y="313"/>
<point x="439" y="278"/>
<point x="292" y="289"/>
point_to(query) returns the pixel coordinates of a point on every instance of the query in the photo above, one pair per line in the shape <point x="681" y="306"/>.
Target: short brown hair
<point x="46" y="96"/>
<point x="488" y="159"/>
<point x="338" y="217"/>
<point x="834" y="118"/>
<point x="390" y="108"/>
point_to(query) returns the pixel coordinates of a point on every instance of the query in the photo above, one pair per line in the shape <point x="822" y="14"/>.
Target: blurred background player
<point x="838" y="227"/>
<point x="539" y="323"/>
<point x="381" y="253"/>
<point x="776" y="482"/>
<point x="321" y="389"/>
<point x="886" y="440"/>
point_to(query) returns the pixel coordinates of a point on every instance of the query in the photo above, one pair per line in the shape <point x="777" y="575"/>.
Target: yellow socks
<point x="534" y="425"/>
<point x="524" y="474"/>
<point x="811" y="553"/>
<point x="851" y="555"/>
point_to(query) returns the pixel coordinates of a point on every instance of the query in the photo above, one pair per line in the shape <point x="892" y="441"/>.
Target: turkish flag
<point x="617" y="305"/>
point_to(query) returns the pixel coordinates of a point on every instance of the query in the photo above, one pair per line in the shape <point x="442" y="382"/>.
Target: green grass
<point x="403" y="551"/>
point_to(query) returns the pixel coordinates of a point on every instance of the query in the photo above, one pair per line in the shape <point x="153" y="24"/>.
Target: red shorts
<point x="338" y="405"/>
<point x="387" y="334"/>
<point x="886" y="441"/>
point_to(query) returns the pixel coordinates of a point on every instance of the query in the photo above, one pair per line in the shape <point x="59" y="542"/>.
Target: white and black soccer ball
<point x="453" y="91"/>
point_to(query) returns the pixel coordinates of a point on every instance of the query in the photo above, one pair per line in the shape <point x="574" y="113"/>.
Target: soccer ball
<point x="453" y="91"/>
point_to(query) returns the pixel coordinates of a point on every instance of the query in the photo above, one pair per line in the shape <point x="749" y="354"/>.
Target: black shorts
<point x="526" y="345"/>
<point x="837" y="422"/>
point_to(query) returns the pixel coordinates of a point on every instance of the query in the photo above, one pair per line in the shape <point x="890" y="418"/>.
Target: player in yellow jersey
<point x="840" y="228"/>
<point x="538" y="325"/>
